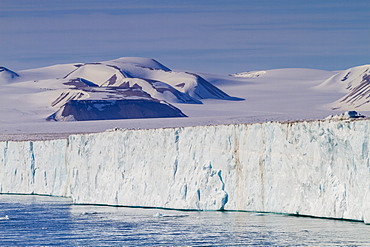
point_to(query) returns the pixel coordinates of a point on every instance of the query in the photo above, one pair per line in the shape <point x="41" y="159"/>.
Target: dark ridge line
<point x="14" y="74"/>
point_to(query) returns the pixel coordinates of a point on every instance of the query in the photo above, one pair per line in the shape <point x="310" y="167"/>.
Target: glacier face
<point x="317" y="168"/>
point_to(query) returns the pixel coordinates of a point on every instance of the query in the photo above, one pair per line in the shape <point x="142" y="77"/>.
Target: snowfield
<point x="141" y="91"/>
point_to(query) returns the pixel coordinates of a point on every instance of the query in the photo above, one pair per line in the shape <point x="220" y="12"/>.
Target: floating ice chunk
<point x="257" y="214"/>
<point x="5" y="218"/>
<point x="88" y="213"/>
<point x="159" y="215"/>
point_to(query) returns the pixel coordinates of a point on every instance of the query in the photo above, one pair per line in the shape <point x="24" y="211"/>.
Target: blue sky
<point x="218" y="36"/>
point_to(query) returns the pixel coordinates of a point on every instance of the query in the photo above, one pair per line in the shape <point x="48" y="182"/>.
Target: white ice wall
<point x="318" y="168"/>
<point x="34" y="167"/>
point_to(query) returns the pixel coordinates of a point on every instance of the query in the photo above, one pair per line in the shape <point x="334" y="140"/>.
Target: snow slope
<point x="355" y="83"/>
<point x="7" y="75"/>
<point x="316" y="168"/>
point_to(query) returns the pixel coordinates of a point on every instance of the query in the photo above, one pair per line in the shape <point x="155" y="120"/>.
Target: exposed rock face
<point x="83" y="110"/>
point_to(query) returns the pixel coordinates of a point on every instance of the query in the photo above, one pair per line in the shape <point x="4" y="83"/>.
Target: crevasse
<point x="316" y="168"/>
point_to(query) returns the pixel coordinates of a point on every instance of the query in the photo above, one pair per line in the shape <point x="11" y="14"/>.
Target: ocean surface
<point x="42" y="220"/>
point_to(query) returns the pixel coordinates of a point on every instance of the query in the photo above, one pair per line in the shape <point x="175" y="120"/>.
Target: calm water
<point x="38" y="220"/>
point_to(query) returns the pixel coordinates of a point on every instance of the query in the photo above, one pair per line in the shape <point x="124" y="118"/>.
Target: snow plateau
<point x="317" y="168"/>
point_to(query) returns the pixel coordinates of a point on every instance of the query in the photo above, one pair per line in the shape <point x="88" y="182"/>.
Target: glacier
<point x="314" y="168"/>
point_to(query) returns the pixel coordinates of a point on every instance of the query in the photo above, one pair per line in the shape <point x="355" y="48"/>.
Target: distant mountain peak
<point x="6" y="75"/>
<point x="141" y="62"/>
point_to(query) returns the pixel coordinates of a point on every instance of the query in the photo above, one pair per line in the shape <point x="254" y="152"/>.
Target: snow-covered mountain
<point x="125" y="88"/>
<point x="355" y="83"/>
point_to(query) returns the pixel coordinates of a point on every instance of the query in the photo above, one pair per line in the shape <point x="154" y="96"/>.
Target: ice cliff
<point x="317" y="168"/>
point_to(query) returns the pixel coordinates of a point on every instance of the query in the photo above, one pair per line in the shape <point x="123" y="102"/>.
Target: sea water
<point x="43" y="220"/>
